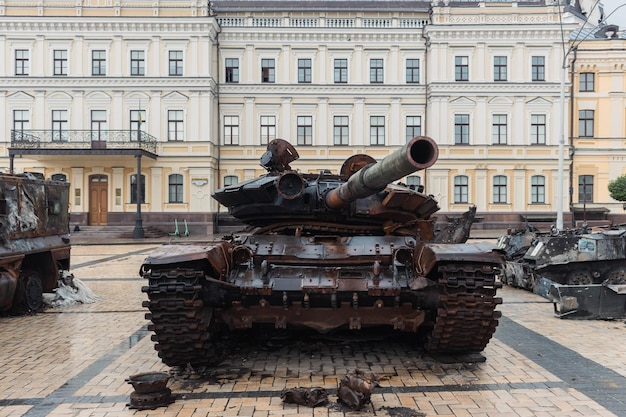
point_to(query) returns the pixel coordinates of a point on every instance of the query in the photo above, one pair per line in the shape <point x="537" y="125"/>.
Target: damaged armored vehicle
<point x="34" y="240"/>
<point x="327" y="251"/>
<point x="582" y="271"/>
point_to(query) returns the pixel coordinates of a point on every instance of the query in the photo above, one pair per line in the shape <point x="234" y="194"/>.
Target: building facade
<point x="208" y="87"/>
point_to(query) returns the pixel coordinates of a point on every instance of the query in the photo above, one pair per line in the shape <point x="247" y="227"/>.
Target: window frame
<point x="98" y="64"/>
<point x="586" y="123"/>
<point x="305" y="70"/>
<point x="500" y="70"/>
<point x="20" y="124"/>
<point x="461" y="189"/>
<point x="137" y="63"/>
<point x="413" y="127"/>
<point x="175" y="63"/>
<point x="461" y="68"/>
<point x="587" y="82"/>
<point x="340" y="71"/>
<point x="341" y="130"/>
<point x="231" y="131"/>
<point x="22" y="63"/>
<point x="583" y="191"/>
<point x="377" y="131"/>
<point x="267" y="129"/>
<point x="538" y="68"/>
<point x="499" y="130"/>
<point x="304" y="129"/>
<point x="538" y="129"/>
<point x="537" y="189"/>
<point x="98" y="124"/>
<point x="60" y="62"/>
<point x="500" y="189"/>
<point x="175" y="188"/>
<point x="231" y="70"/>
<point x="461" y="129"/>
<point x="137" y="120"/>
<point x="133" y="188"/>
<point x="175" y="125"/>
<point x="377" y="71"/>
<point x="412" y="71"/>
<point x="60" y="125"/>
<point x="268" y="70"/>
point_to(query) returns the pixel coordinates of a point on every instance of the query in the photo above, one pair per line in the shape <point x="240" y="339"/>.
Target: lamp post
<point x="138" y="231"/>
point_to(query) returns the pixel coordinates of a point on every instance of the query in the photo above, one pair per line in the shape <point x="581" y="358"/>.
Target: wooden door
<point x="98" y="199"/>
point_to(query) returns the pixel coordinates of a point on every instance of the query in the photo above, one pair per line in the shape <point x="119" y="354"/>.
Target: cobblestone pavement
<point x="74" y="361"/>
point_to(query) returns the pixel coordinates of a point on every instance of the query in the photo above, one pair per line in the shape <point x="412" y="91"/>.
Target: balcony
<point x="82" y="142"/>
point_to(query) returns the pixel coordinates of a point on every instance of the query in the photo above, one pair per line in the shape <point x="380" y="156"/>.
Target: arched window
<point x="175" y="188"/>
<point x="537" y="189"/>
<point x="461" y="189"/>
<point x="499" y="189"/>
<point x="59" y="177"/>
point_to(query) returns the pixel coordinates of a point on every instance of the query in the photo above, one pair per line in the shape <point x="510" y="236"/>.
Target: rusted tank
<point x="582" y="271"/>
<point x="326" y="251"/>
<point x="34" y="240"/>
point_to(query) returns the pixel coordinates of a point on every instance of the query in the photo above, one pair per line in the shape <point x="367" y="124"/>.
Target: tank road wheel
<point x="616" y="276"/>
<point x="28" y="293"/>
<point x="183" y="326"/>
<point x="466" y="317"/>
<point x="580" y="277"/>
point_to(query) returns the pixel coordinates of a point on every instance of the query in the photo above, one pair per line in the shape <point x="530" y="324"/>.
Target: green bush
<point x="617" y="188"/>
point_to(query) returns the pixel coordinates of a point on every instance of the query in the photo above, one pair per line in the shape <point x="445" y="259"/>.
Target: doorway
<point x="98" y="199"/>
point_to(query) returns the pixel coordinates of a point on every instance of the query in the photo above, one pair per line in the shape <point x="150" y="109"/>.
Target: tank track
<point x="466" y="317"/>
<point x="181" y="323"/>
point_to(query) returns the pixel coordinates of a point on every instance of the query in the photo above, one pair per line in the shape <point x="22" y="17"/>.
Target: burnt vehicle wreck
<point x="583" y="272"/>
<point x="34" y="240"/>
<point x="327" y="251"/>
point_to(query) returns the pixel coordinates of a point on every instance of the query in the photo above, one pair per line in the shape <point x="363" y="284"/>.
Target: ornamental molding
<point x="107" y="83"/>
<point x="108" y="27"/>
<point x="318" y="90"/>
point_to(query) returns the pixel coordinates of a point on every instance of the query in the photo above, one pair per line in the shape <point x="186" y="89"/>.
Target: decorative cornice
<point x="108" y="27"/>
<point x="107" y="83"/>
<point x="318" y="90"/>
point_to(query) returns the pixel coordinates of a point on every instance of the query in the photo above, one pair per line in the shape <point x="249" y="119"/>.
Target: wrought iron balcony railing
<point x="83" y="139"/>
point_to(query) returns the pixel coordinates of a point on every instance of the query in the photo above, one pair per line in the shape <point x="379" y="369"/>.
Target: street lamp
<point x="138" y="232"/>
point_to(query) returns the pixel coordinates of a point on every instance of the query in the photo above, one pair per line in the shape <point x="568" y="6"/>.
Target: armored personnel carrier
<point x="326" y="251"/>
<point x="34" y="240"/>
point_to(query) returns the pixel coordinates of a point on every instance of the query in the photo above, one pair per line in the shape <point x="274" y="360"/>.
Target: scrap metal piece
<point x="150" y="391"/>
<point x="311" y="397"/>
<point x="596" y="301"/>
<point x="355" y="389"/>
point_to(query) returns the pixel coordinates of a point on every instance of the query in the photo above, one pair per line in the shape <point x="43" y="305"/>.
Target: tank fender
<point x="427" y="255"/>
<point x="218" y="254"/>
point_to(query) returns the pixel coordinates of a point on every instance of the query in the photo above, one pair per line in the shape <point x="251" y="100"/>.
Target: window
<point x="175" y="125"/>
<point x="461" y="129"/>
<point x="461" y="68"/>
<point x="537" y="189"/>
<point x="98" y="125"/>
<point x="412" y="71"/>
<point x="230" y="180"/>
<point x="376" y="71"/>
<point x="499" y="68"/>
<point x="232" y="70"/>
<point x="587" y="81"/>
<point x="60" y="125"/>
<point x="175" y="188"/>
<point x="585" y="188"/>
<point x="59" y="177"/>
<point x="268" y="71"/>
<point x="60" y="61"/>
<point x="21" y="122"/>
<point x="585" y="123"/>
<point x="538" y="68"/>
<point x="137" y="63"/>
<point x="176" y="63"/>
<point x="137" y="120"/>
<point x="460" y="189"/>
<point x="305" y="130"/>
<point x="341" y="71"/>
<point x="22" y="62"/>
<point x="414" y="182"/>
<point x="499" y="189"/>
<point x="537" y="129"/>
<point x="304" y="70"/>
<point x="268" y="129"/>
<point x="133" y="189"/>
<point x="231" y="130"/>
<point x="413" y="127"/>
<point x="377" y="130"/>
<point x="340" y="130"/>
<point x="98" y="63"/>
<point x="499" y="129"/>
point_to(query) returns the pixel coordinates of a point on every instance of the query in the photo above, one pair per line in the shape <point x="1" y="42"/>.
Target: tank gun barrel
<point x="419" y="153"/>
